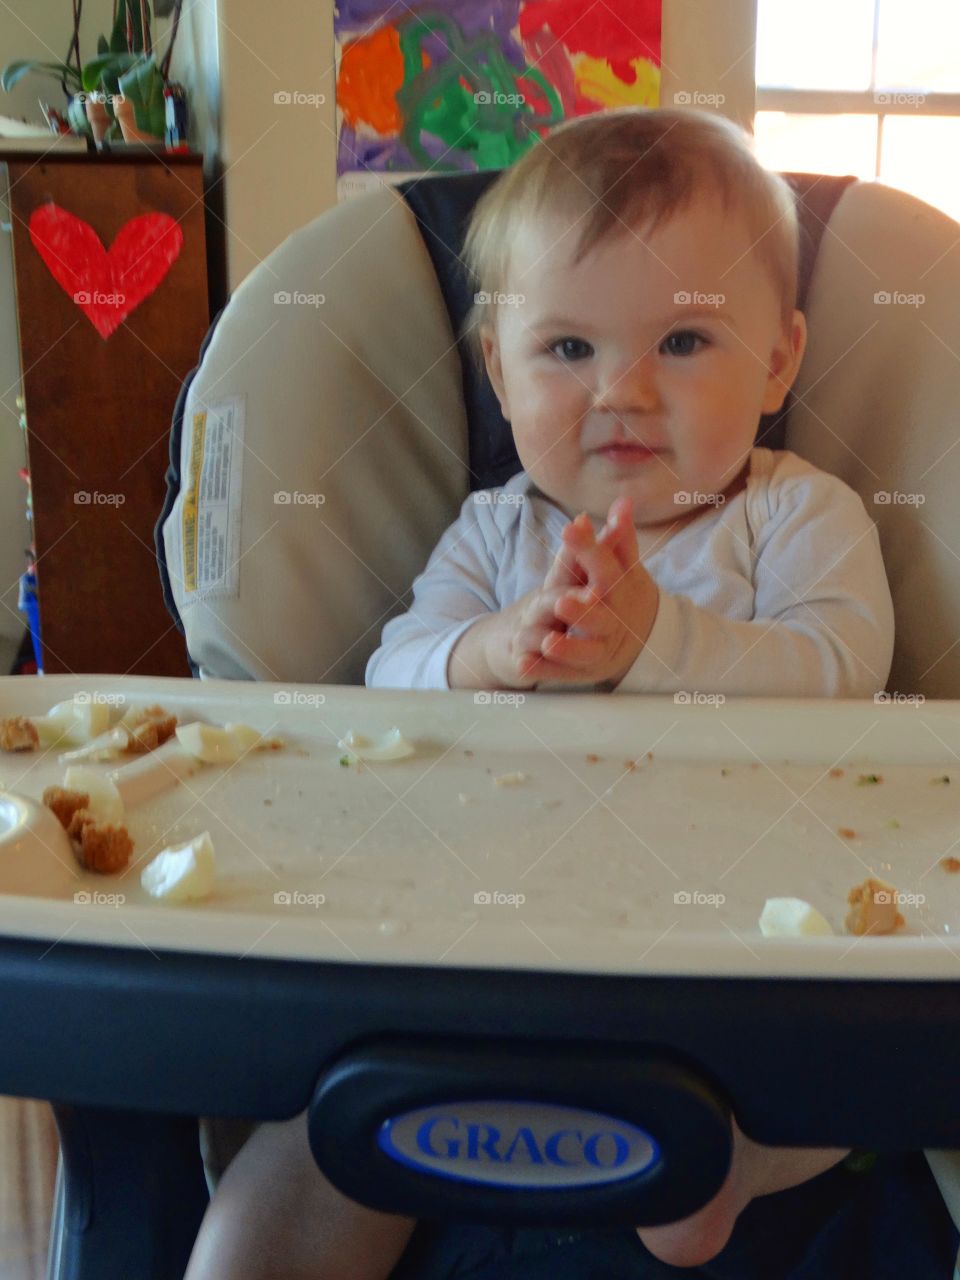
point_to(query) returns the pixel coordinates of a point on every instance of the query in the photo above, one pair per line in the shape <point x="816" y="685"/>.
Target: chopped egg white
<point x="74" y="722"/>
<point x="792" y="918"/>
<point x="391" y="745"/>
<point x="213" y="745"/>
<point x="106" y="803"/>
<point x="182" y="872"/>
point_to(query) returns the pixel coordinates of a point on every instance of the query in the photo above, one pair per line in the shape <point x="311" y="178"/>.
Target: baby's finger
<point x="603" y="568"/>
<point x="619" y="533"/>
<point x="579" y="652"/>
<point x="575" y="607"/>
<point x="565" y="571"/>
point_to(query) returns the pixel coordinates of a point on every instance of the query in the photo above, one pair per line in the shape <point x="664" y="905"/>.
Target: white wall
<point x="280" y="160"/>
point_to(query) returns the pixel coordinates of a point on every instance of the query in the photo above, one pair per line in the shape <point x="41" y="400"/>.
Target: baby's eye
<point x="571" y="348"/>
<point x="683" y="342"/>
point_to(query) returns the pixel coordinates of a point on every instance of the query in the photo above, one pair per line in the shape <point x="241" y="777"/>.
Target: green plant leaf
<point x="143" y="85"/>
<point x="77" y="118"/>
<point x="118" y="36"/>
<point x="106" y="64"/>
<point x="15" y="71"/>
<point x="103" y="45"/>
<point x="133" y="7"/>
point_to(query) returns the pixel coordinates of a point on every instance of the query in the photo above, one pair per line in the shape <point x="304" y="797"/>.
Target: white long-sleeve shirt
<point x="780" y="591"/>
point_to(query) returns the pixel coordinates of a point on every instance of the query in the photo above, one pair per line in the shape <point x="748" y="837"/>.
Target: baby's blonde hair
<point x="619" y="169"/>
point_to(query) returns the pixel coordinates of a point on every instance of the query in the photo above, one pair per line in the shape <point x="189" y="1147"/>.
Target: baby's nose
<point x="629" y="384"/>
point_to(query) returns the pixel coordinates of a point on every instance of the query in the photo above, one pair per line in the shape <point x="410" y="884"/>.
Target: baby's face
<point x="615" y="386"/>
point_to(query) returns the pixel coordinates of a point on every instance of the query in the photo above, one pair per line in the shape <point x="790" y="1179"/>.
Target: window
<point x="870" y="87"/>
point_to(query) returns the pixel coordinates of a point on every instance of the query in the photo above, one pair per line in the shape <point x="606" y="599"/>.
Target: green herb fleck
<point x="868" y="779"/>
<point x="724" y="773"/>
<point x="941" y="781"/>
<point x="893" y="823"/>
<point x="344" y="762"/>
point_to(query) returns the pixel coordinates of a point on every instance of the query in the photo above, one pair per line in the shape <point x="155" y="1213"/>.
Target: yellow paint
<point x="595" y="80"/>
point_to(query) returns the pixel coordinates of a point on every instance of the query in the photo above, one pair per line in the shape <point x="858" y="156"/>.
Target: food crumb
<point x="724" y="773"/>
<point x="836" y="773"/>
<point x="630" y="765"/>
<point x="869" y="779"/>
<point x="17" y="733"/>
<point x="950" y="864"/>
<point x="591" y="758"/>
<point x="649" y="755"/>
<point x="509" y="779"/>
<point x="893" y="823"/>
<point x="873" y="908"/>
<point x="941" y="781"/>
<point x="268" y="801"/>
<point x="468" y="753"/>
<point x="848" y="833"/>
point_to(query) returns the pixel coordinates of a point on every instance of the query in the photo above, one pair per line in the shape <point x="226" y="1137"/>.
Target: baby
<point x="641" y="273"/>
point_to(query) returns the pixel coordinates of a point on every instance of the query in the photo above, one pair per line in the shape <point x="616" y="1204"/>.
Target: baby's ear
<point x="785" y="362"/>
<point x="491" y="358"/>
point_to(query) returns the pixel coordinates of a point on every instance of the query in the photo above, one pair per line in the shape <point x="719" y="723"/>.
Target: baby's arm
<point x="823" y="618"/>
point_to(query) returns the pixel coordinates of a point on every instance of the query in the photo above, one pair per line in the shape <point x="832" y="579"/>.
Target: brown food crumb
<point x="268" y="802"/>
<point x="592" y="759"/>
<point x="848" y="833"/>
<point x="873" y="908"/>
<point x="950" y="864"/>
<point x="149" y="729"/>
<point x="64" y="803"/>
<point x="836" y="773"/>
<point x="100" y="848"/>
<point x="649" y="755"/>
<point x="869" y="779"/>
<point x="17" y="733"/>
<point x="468" y="753"/>
<point x="630" y="765"/>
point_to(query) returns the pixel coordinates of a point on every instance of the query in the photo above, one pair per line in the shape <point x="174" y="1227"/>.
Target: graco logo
<point x="518" y="1144"/>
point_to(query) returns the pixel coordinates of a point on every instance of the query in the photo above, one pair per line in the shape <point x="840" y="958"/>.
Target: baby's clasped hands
<point x="595" y="611"/>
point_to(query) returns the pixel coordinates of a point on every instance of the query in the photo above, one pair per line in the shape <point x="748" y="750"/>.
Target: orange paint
<point x="371" y="74"/>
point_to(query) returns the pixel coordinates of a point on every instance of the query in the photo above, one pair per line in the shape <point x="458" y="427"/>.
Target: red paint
<point x="105" y="284"/>
<point x="618" y="36"/>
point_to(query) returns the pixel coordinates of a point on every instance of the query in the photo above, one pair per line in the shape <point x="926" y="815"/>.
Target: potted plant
<point x="120" y="92"/>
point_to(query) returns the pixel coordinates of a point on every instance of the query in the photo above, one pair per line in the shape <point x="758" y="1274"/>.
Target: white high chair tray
<point x="519" y="835"/>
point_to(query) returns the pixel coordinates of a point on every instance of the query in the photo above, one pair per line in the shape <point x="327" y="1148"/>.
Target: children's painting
<point x="461" y="85"/>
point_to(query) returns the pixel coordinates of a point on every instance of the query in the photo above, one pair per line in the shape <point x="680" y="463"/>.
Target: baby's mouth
<point x="629" y="451"/>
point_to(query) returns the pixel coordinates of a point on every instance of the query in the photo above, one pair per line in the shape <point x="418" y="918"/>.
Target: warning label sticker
<point x="211" y="501"/>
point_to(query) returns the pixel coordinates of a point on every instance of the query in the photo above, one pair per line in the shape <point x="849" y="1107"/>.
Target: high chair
<point x="335" y="373"/>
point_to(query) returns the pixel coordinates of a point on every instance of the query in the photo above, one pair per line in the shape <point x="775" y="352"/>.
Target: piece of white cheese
<point x="792" y="918"/>
<point x="106" y="803"/>
<point x="391" y="745"/>
<point x="182" y="872"/>
<point x="213" y="745"/>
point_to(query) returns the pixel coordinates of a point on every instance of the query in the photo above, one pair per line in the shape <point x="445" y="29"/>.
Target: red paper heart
<point x="105" y="284"/>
